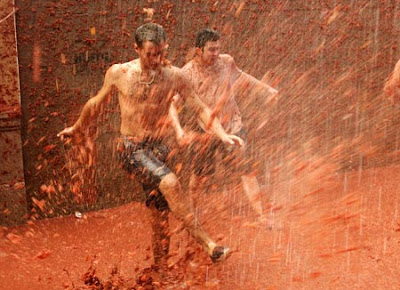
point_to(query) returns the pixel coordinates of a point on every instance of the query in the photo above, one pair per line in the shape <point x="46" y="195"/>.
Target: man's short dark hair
<point x="150" y="32"/>
<point x="206" y="35"/>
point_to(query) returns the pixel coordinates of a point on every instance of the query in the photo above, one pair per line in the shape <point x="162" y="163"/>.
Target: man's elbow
<point x="94" y="107"/>
<point x="273" y="90"/>
<point x="272" y="97"/>
<point x="91" y="104"/>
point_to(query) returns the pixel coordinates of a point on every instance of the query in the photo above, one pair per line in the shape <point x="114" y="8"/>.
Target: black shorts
<point x="146" y="160"/>
<point x="204" y="155"/>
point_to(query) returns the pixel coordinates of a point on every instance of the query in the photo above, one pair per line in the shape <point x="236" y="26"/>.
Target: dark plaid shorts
<point x="146" y="160"/>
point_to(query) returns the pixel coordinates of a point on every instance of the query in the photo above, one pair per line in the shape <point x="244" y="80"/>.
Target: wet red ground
<point x="326" y="230"/>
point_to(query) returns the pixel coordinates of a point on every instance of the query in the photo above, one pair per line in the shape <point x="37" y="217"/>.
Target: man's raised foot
<point x="220" y="254"/>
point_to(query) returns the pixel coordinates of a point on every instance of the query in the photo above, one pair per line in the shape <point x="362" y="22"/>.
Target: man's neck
<point x="145" y="71"/>
<point x="203" y="64"/>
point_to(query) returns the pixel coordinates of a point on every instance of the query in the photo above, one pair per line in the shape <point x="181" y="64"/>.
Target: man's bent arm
<point x="173" y="115"/>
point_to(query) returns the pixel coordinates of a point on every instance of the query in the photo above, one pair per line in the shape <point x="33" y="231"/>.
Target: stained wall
<point x="328" y="60"/>
<point x="12" y="186"/>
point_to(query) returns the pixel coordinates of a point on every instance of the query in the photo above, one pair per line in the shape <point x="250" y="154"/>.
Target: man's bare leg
<point x="178" y="203"/>
<point x="197" y="185"/>
<point x="252" y="190"/>
<point x="160" y="237"/>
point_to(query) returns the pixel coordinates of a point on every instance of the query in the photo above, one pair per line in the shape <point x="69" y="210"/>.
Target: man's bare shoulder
<point x="226" y="58"/>
<point x="228" y="61"/>
<point x="119" y="68"/>
<point x="126" y="66"/>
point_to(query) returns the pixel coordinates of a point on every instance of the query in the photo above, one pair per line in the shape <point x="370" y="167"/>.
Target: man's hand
<point x="67" y="132"/>
<point x="233" y="140"/>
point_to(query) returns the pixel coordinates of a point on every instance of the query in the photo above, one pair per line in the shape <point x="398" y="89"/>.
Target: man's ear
<point x="165" y="51"/>
<point x="198" y="50"/>
<point x="136" y="48"/>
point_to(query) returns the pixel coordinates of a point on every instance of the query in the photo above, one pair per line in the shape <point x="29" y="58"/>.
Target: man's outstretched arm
<point x="93" y="107"/>
<point x="249" y="87"/>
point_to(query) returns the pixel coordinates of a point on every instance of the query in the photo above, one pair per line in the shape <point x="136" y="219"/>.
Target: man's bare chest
<point x="211" y="79"/>
<point x="154" y="91"/>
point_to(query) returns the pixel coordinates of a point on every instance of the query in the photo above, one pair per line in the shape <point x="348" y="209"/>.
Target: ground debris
<point x="114" y="282"/>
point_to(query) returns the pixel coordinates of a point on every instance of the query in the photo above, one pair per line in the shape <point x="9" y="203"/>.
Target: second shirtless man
<point x="213" y="76"/>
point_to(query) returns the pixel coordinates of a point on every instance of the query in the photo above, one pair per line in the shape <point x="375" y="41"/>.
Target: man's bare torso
<point x="144" y="104"/>
<point x="214" y="84"/>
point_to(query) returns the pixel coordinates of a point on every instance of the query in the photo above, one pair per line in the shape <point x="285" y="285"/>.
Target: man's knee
<point x="194" y="181"/>
<point x="169" y="182"/>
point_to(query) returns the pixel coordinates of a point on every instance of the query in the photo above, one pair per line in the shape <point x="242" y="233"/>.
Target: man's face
<point x="210" y="52"/>
<point x="151" y="54"/>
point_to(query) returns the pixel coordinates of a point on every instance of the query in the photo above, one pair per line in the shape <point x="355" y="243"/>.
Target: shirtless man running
<point x="145" y="89"/>
<point x="213" y="75"/>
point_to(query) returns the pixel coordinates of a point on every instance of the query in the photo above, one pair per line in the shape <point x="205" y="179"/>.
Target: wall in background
<point x="13" y="208"/>
<point x="328" y="61"/>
